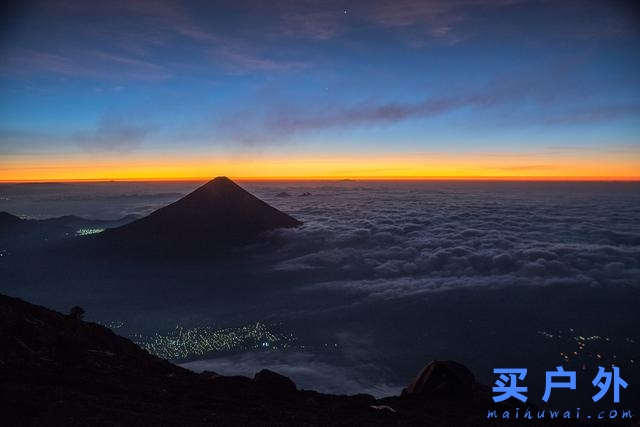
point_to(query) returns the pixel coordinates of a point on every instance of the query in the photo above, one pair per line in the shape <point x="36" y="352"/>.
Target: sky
<point x="529" y="89"/>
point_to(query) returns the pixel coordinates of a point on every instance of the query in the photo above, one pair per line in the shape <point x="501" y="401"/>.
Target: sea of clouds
<point x="389" y="240"/>
<point x="393" y="239"/>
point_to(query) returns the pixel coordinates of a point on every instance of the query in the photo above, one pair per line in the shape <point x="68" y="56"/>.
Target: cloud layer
<point x="308" y="371"/>
<point x="403" y="240"/>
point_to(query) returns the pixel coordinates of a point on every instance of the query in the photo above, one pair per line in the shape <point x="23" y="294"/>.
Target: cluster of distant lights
<point x="584" y="347"/>
<point x="189" y="343"/>
<point x="114" y="324"/>
<point x="88" y="231"/>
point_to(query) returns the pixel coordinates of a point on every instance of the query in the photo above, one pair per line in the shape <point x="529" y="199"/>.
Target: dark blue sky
<point x="355" y="88"/>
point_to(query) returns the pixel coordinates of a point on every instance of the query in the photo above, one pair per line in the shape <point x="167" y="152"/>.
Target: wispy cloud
<point x="113" y="133"/>
<point x="137" y="35"/>
<point x="558" y="102"/>
<point x="318" y="24"/>
<point x="596" y="114"/>
<point x="27" y="59"/>
<point x="131" y="40"/>
<point x="82" y="63"/>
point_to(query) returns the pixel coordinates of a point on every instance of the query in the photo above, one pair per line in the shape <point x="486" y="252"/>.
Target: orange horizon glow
<point x="393" y="166"/>
<point x="321" y="178"/>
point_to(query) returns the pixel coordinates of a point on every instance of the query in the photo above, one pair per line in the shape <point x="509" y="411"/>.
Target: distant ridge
<point x="12" y="226"/>
<point x="218" y="212"/>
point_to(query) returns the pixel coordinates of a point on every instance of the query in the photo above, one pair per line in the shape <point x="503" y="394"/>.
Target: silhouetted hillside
<point x="60" y="370"/>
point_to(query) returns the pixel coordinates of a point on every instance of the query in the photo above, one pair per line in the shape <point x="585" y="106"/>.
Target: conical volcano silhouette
<point x="218" y="212"/>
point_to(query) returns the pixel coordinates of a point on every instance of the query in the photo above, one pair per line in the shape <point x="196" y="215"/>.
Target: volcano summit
<point x="218" y="212"/>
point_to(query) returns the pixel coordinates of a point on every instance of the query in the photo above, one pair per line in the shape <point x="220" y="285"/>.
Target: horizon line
<point x="333" y="178"/>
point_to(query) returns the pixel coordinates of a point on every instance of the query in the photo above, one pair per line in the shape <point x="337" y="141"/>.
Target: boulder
<point x="274" y="382"/>
<point x="442" y="379"/>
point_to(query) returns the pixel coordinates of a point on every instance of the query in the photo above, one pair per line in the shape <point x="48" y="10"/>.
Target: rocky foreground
<point x="56" y="369"/>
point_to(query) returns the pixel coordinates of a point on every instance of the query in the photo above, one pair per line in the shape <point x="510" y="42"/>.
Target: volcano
<point x="217" y="213"/>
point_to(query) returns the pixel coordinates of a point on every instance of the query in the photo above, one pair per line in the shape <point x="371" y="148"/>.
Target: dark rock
<point x="76" y="312"/>
<point x="209" y="374"/>
<point x="274" y="382"/>
<point x="383" y="408"/>
<point x="443" y="379"/>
